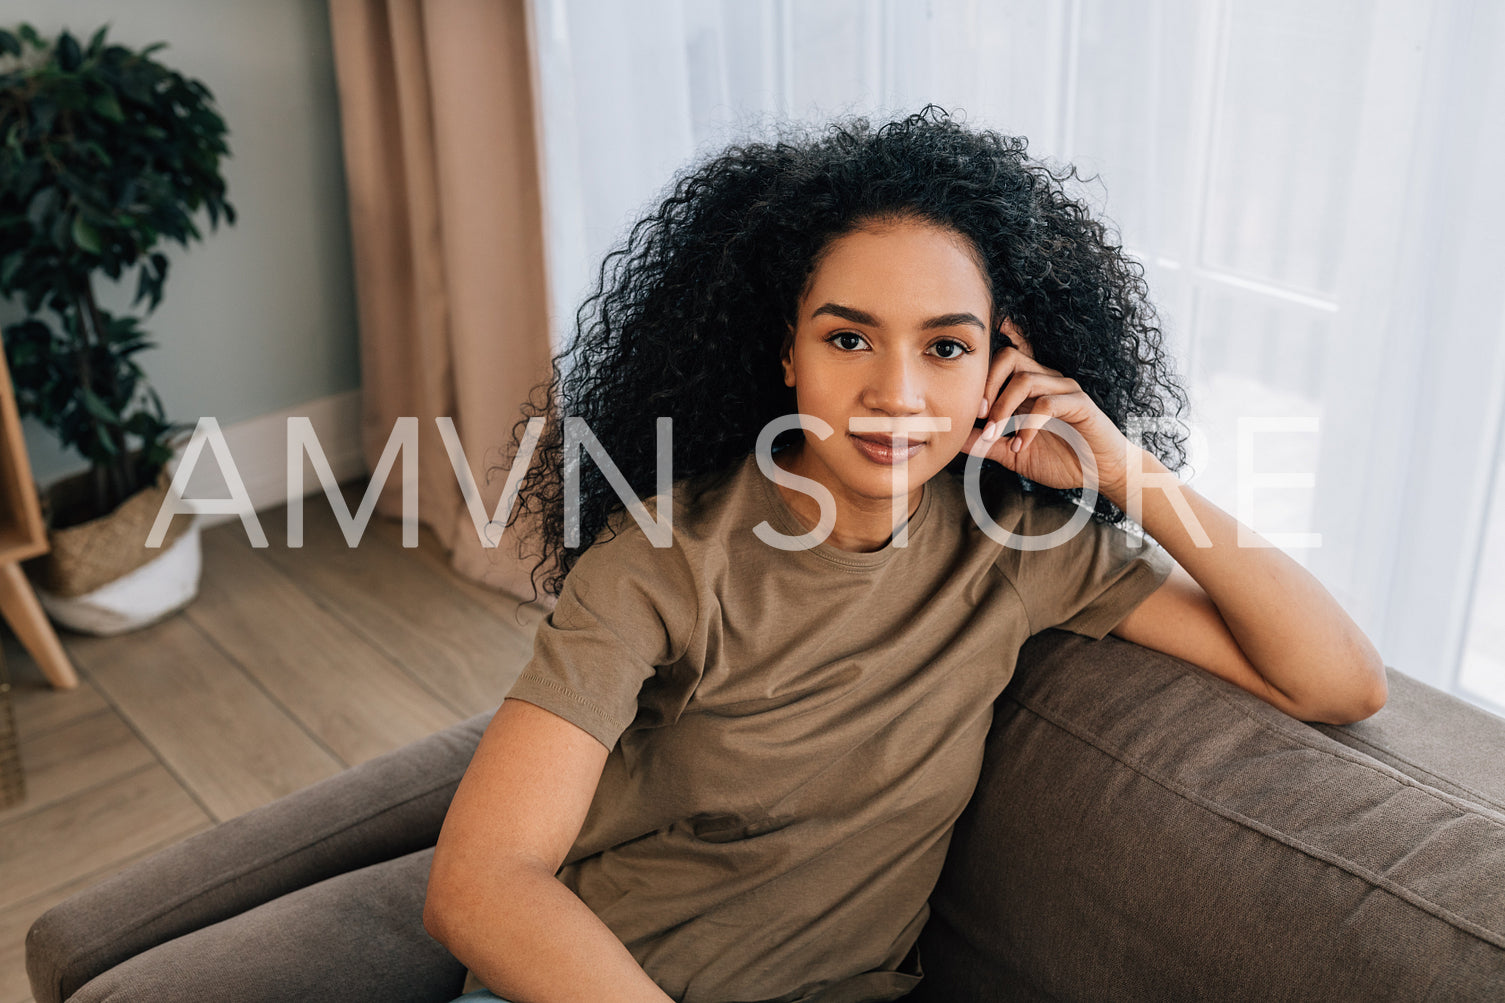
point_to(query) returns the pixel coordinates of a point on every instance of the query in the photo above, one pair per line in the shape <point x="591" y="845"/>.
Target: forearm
<point x="1293" y="632"/>
<point x="531" y="940"/>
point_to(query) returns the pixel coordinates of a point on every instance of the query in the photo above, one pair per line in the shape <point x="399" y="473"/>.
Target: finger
<point x="977" y="441"/>
<point x="1064" y="406"/>
<point x="1023" y="387"/>
<point x="999" y="369"/>
<point x="1007" y="363"/>
<point x="987" y="449"/>
<point x="1004" y="364"/>
<point x="1021" y="369"/>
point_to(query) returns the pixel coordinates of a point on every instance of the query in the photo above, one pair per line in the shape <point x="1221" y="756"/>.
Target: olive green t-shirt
<point x="792" y="735"/>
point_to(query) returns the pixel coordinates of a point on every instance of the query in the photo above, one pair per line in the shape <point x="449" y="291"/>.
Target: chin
<point x="877" y="481"/>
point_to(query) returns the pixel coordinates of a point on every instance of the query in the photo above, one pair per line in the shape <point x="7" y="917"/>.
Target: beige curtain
<point x="437" y="116"/>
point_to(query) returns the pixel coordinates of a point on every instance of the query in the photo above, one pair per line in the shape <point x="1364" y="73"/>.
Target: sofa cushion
<point x="381" y="810"/>
<point x="1436" y="738"/>
<point x="354" y="938"/>
<point x="1144" y="830"/>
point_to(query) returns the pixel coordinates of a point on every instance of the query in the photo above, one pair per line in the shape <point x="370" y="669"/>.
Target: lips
<point x="887" y="449"/>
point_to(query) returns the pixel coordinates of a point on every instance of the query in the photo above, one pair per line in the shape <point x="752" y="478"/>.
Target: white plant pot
<point x="157" y="589"/>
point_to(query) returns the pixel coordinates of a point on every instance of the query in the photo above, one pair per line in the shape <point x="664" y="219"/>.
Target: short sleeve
<point x="1089" y="581"/>
<point x="625" y="610"/>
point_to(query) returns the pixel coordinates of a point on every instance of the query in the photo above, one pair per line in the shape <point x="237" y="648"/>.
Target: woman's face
<point x="894" y="325"/>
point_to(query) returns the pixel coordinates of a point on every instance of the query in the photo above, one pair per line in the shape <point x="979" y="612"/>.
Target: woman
<point x="731" y="769"/>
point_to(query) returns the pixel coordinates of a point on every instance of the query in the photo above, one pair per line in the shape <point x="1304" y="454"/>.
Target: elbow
<point x="456" y="905"/>
<point x="1375" y="689"/>
<point x="1365" y="698"/>
<point x="436" y="913"/>
<point x="1376" y="694"/>
<point x="432" y="922"/>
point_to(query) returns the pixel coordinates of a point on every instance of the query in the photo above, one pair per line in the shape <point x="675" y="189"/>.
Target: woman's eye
<point x="949" y="349"/>
<point x="847" y="341"/>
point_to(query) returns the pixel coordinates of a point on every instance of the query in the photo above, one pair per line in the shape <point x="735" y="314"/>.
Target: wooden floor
<point x="290" y="666"/>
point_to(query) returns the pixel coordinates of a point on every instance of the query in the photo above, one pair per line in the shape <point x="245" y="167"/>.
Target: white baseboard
<point x="258" y="447"/>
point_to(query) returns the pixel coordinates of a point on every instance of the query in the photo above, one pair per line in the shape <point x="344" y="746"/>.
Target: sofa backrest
<point x="1145" y="830"/>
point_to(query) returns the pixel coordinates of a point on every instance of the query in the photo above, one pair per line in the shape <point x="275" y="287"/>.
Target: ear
<point x="1011" y="331"/>
<point x="786" y="357"/>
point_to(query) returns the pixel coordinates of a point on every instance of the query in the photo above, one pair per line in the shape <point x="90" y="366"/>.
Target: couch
<point x="1140" y="830"/>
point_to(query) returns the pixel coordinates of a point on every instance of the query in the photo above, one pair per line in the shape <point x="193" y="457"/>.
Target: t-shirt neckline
<point x="785" y="521"/>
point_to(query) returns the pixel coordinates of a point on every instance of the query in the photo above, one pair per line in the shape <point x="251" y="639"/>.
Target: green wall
<point x="259" y="316"/>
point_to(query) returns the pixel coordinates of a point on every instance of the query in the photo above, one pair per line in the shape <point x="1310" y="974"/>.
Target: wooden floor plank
<point x="288" y="664"/>
<point x="207" y="721"/>
<point x="341" y="688"/>
<point x="96" y="828"/>
<point x="417" y="614"/>
<point x="16" y="919"/>
<point x="74" y="757"/>
<point x="524" y="615"/>
<point x="38" y="706"/>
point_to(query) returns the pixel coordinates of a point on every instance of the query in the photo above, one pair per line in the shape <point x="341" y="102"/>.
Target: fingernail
<point x="1017" y="444"/>
<point x="982" y="410"/>
<point x="990" y="431"/>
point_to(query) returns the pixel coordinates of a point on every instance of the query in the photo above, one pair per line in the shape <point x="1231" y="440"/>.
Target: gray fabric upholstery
<point x="1141" y="830"/>
<point x="355" y="937"/>
<point x="384" y="809"/>
<point x="1435" y="738"/>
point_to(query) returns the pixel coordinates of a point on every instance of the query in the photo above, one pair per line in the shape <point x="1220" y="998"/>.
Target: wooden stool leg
<point x="26" y="617"/>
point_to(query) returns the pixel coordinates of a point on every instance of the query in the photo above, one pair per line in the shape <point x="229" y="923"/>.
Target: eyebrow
<point x="863" y="317"/>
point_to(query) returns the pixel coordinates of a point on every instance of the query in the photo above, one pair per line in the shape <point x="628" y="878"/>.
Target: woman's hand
<point x="1018" y="385"/>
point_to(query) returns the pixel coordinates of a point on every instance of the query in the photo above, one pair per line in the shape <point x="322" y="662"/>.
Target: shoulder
<point x="1022" y="519"/>
<point x="1074" y="570"/>
<point x="998" y="508"/>
<point x="659" y="550"/>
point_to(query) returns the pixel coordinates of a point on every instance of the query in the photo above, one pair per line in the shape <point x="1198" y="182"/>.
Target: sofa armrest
<point x="1435" y="738"/>
<point x="1145" y="830"/>
<point x="385" y="808"/>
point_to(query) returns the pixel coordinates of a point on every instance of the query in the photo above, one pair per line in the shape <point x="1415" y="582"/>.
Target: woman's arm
<point x="493" y="898"/>
<point x="1248" y="613"/>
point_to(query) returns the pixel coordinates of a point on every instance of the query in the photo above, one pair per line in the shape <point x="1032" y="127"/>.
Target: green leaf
<point x="97" y="407"/>
<point x="61" y="232"/>
<point x="43" y="116"/>
<point x="103" y="439"/>
<point x="43" y="206"/>
<point x="12" y="264"/>
<point x="85" y="236"/>
<point x="132" y="150"/>
<point x="68" y="52"/>
<point x="118" y="328"/>
<point x="143" y="424"/>
<point x="99" y="152"/>
<point x="29" y="34"/>
<point x="106" y="105"/>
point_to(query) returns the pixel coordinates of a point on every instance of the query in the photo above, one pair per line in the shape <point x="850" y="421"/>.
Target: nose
<point x="894" y="387"/>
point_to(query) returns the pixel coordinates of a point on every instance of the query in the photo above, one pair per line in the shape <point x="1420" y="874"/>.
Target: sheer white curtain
<point x="1312" y="186"/>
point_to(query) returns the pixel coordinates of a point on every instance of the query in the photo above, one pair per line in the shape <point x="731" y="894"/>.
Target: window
<point x="1310" y="184"/>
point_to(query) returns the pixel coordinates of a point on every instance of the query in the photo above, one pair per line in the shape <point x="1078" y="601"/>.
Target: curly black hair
<point x="690" y="312"/>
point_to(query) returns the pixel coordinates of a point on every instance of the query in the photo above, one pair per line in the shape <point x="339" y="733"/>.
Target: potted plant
<point x="104" y="154"/>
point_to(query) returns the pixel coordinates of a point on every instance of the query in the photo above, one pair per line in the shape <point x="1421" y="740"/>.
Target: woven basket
<point x="95" y="553"/>
<point x="12" y="781"/>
